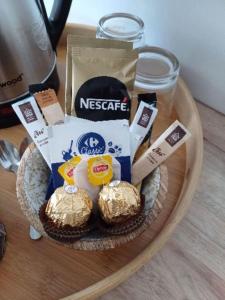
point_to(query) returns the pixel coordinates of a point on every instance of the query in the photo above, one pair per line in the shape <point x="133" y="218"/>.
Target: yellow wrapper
<point x="66" y="169"/>
<point x="69" y="206"/>
<point x="119" y="201"/>
<point x="100" y="169"/>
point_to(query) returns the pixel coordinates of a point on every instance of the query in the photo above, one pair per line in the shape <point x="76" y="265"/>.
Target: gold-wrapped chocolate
<point x="118" y="201"/>
<point x="69" y="206"/>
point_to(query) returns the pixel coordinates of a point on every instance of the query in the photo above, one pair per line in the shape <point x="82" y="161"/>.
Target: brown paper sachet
<point x="102" y="82"/>
<point x="85" y="41"/>
<point x="49" y="104"/>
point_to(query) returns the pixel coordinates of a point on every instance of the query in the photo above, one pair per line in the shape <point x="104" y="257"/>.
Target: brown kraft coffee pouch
<point x="102" y="80"/>
<point x="85" y="41"/>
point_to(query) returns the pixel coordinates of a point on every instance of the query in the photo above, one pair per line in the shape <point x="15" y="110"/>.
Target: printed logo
<point x="100" y="168"/>
<point x="71" y="189"/>
<point x="175" y="136"/>
<point x="37" y="133"/>
<point x="91" y="144"/>
<point x="145" y="117"/>
<point x="69" y="172"/>
<point x="102" y="98"/>
<point x="103" y="104"/>
<point x="11" y="81"/>
<point x="114" y="150"/>
<point x="68" y="154"/>
<point x="28" y="112"/>
<point x="158" y="151"/>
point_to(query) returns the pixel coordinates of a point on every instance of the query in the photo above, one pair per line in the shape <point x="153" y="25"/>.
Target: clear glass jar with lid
<point x="157" y="72"/>
<point x="123" y="27"/>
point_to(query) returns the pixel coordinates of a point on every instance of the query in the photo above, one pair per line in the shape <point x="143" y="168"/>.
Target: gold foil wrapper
<point x="118" y="201"/>
<point x="72" y="207"/>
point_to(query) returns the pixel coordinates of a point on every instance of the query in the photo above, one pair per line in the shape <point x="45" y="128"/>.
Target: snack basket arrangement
<point x="33" y="174"/>
<point x="100" y="271"/>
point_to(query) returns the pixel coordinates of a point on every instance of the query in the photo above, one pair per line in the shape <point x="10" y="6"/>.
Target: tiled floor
<point x="192" y="264"/>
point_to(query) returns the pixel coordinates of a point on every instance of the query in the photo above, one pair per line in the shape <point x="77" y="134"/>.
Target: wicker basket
<point x="31" y="189"/>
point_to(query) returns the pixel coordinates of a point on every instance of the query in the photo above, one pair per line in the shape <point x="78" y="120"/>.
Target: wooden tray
<point x="45" y="270"/>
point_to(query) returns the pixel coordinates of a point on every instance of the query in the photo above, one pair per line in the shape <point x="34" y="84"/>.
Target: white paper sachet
<point x="30" y="116"/>
<point x="80" y="175"/>
<point x="141" y="125"/>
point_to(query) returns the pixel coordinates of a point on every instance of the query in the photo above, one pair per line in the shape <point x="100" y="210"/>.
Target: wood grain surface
<point x="45" y="270"/>
<point x="192" y="264"/>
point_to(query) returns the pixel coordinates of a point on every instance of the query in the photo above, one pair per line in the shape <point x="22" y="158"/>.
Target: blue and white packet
<point x="83" y="137"/>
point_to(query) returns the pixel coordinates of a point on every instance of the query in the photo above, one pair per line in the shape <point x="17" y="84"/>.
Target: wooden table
<point x="45" y="270"/>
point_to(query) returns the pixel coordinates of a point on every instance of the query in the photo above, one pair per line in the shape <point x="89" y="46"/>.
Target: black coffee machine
<point x="28" y="39"/>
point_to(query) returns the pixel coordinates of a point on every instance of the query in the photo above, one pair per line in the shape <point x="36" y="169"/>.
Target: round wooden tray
<point x="46" y="270"/>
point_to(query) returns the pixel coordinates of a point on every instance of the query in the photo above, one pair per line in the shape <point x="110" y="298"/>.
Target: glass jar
<point x="157" y="72"/>
<point x="123" y="27"/>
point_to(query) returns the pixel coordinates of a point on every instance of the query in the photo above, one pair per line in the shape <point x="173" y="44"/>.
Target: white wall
<point x="194" y="30"/>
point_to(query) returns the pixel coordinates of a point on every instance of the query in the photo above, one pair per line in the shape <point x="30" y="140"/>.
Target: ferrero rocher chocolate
<point x="118" y="201"/>
<point x="69" y="206"/>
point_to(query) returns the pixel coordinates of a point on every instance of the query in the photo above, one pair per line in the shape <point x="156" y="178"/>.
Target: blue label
<point x="125" y="167"/>
<point x="57" y="178"/>
<point x="91" y="144"/>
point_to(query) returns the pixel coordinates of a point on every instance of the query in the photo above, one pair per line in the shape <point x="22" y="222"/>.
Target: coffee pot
<point x="28" y="39"/>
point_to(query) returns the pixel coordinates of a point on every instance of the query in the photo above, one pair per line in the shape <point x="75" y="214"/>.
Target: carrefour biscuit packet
<point x="85" y="41"/>
<point x="86" y="138"/>
<point x="101" y="83"/>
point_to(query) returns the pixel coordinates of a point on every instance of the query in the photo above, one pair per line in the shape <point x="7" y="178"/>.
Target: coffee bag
<point x="102" y="80"/>
<point x="85" y="41"/>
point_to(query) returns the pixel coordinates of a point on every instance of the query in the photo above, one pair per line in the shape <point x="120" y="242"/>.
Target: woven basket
<point x="32" y="181"/>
